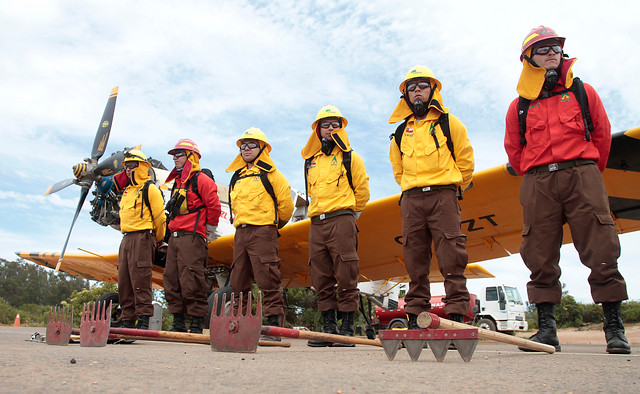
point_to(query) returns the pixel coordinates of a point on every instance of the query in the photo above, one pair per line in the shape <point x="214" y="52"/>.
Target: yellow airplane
<point x="491" y="219"/>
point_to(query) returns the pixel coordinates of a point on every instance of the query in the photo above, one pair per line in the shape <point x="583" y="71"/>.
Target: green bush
<point x="7" y="312"/>
<point x="34" y="315"/>
<point x="631" y="311"/>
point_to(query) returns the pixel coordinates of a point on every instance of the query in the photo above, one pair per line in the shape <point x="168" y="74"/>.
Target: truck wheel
<point x="116" y="311"/>
<point x="487" y="324"/>
<point x="398" y="323"/>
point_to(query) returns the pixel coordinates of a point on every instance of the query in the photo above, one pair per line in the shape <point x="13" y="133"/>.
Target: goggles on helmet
<point x="179" y="154"/>
<point x="545" y="49"/>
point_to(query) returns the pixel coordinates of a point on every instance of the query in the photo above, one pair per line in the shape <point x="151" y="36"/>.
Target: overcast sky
<point x="208" y="70"/>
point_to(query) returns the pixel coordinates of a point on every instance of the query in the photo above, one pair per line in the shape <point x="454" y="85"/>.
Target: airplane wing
<point x="491" y="219"/>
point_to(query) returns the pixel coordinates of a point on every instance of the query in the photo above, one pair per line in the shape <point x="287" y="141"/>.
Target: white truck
<point x="500" y="308"/>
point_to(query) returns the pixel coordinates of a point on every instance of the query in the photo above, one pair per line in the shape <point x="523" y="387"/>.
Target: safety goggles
<point x="250" y="145"/>
<point x="178" y="155"/>
<point x="422" y="85"/>
<point x="327" y="123"/>
<point x="545" y="49"/>
<point x="131" y="165"/>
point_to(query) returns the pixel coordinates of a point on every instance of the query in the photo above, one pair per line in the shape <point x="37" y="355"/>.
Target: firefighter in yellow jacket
<point x="142" y="221"/>
<point x="432" y="161"/>
<point x="260" y="199"/>
<point x="338" y="186"/>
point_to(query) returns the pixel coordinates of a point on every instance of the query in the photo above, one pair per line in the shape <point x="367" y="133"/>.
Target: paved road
<point x="146" y="366"/>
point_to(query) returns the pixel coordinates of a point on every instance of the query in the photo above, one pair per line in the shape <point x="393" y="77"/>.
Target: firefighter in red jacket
<point x="561" y="159"/>
<point x="194" y="210"/>
<point x="142" y="221"/>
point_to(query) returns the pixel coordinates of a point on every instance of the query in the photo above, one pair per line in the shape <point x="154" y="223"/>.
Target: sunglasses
<point x="544" y="50"/>
<point x="179" y="154"/>
<point x="422" y="85"/>
<point x="250" y="145"/>
<point x="326" y="124"/>
<point x="131" y="166"/>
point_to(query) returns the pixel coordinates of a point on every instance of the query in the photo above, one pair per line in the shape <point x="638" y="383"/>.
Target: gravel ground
<point x="146" y="366"/>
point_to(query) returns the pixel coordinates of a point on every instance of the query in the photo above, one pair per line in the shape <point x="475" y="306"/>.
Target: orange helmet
<point x="538" y="34"/>
<point x="186" y="144"/>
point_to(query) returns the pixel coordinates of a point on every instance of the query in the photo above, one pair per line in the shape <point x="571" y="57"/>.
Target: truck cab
<point x="500" y="308"/>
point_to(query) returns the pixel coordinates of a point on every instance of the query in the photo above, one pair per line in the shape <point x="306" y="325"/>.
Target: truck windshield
<point x="513" y="295"/>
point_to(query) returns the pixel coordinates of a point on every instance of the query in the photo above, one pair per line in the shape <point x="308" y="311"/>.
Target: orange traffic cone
<point x="16" y="323"/>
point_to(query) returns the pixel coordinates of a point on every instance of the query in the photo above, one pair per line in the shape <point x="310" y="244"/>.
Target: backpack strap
<point x="523" y="109"/>
<point x="346" y="161"/>
<point x="269" y="188"/>
<point x="581" y="95"/>
<point x="145" y="198"/>
<point x="232" y="182"/>
<point x="307" y="164"/>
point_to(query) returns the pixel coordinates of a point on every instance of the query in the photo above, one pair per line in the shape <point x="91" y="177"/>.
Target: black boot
<point x="456" y="317"/>
<point x="178" y="323"/>
<point x="614" y="329"/>
<point x="143" y="323"/>
<point x="274" y="321"/>
<point x="196" y="325"/>
<point x="413" y="321"/>
<point x="128" y="324"/>
<point x="346" y="328"/>
<point x="329" y="326"/>
<point x="547" y="333"/>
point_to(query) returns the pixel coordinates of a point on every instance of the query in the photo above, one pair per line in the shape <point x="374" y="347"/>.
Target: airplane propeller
<point x="90" y="171"/>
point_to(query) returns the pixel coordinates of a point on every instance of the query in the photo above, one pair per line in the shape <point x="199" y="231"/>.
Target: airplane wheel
<point x="487" y="324"/>
<point x="116" y="311"/>
<point x="399" y="323"/>
<point x="220" y="292"/>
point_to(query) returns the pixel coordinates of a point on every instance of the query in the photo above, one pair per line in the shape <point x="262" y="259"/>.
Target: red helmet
<point x="538" y="34"/>
<point x="186" y="144"/>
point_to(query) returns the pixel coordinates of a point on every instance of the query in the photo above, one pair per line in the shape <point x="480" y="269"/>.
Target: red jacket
<point x="555" y="132"/>
<point x="210" y="214"/>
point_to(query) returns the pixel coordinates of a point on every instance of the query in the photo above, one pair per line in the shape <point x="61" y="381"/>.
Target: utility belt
<point x="141" y="232"/>
<point x="560" y="165"/>
<point x="325" y="216"/>
<point x="428" y="189"/>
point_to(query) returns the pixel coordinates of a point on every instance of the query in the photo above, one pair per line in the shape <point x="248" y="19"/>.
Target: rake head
<point x="236" y="332"/>
<point x="94" y="324"/>
<point x="59" y="326"/>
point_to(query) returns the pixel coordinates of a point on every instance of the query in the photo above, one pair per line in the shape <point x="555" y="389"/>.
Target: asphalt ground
<point x="146" y="366"/>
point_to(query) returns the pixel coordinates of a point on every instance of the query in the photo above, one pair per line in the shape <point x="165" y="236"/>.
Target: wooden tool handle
<point x="170" y="336"/>
<point x="429" y="320"/>
<point x="318" y="336"/>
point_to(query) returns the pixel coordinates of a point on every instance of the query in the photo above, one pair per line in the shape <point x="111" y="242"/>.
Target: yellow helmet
<point x="329" y="111"/>
<point x="134" y="155"/>
<point x="419" y="72"/>
<point x="254" y="133"/>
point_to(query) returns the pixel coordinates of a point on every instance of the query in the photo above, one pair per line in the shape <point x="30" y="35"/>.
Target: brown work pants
<point x="576" y="196"/>
<point x="185" y="285"/>
<point x="135" y="262"/>
<point x="333" y="259"/>
<point x="426" y="217"/>
<point x="255" y="258"/>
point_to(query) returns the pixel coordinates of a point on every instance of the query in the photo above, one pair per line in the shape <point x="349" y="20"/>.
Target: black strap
<point x="145" y="198"/>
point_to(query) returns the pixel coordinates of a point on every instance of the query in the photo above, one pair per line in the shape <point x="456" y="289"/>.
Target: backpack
<point x="443" y="121"/>
<point x="581" y="95"/>
<point x="346" y="162"/>
<point x="265" y="182"/>
<point x="174" y="204"/>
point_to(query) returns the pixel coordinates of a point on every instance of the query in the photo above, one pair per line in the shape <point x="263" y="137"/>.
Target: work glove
<point x="212" y="234"/>
<point x="357" y="214"/>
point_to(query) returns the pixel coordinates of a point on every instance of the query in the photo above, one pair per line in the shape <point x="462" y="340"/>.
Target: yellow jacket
<point x="420" y="162"/>
<point x="328" y="186"/>
<point x="134" y="213"/>
<point x="250" y="201"/>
